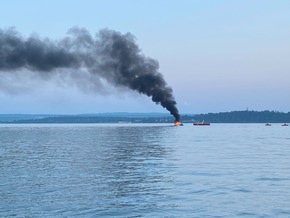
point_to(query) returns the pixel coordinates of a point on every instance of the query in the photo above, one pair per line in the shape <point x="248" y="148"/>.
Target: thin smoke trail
<point x="110" y="55"/>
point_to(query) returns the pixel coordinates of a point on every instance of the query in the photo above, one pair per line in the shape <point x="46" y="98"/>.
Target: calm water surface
<point x="130" y="170"/>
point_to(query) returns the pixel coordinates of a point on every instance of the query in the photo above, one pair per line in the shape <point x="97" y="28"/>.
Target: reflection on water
<point x="101" y="170"/>
<point x="128" y="170"/>
<point x="132" y="164"/>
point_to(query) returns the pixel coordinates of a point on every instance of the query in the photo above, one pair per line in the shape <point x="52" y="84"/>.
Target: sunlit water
<point x="136" y="170"/>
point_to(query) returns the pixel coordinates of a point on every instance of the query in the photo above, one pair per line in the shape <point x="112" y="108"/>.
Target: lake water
<point x="144" y="170"/>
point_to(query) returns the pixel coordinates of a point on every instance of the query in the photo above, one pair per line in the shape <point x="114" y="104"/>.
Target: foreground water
<point x="127" y="170"/>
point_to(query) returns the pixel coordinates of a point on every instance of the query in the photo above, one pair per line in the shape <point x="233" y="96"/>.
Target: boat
<point x="267" y="124"/>
<point x="285" y="124"/>
<point x="178" y="123"/>
<point x="201" y="123"/>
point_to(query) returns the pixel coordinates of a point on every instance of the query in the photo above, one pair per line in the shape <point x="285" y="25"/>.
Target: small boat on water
<point x="201" y="123"/>
<point x="268" y="124"/>
<point x="285" y="124"/>
<point x="178" y="123"/>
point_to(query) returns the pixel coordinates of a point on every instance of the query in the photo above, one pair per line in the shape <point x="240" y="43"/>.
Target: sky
<point x="216" y="55"/>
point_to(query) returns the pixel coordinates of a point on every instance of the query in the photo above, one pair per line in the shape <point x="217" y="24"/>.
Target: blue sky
<point x="216" y="55"/>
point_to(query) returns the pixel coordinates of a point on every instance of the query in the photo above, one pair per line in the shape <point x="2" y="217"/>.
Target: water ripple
<point x="143" y="171"/>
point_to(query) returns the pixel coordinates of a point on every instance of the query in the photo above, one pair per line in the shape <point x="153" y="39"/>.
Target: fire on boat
<point x="178" y="123"/>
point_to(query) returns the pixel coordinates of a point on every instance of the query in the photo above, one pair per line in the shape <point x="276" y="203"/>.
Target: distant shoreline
<point x="222" y="117"/>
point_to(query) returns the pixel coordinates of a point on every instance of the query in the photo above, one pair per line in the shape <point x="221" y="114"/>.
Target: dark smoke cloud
<point x="110" y="55"/>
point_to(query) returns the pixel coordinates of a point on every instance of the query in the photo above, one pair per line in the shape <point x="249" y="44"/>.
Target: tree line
<point x="242" y="117"/>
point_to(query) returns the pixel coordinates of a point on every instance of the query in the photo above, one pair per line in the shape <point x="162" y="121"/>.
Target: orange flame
<point x="177" y="123"/>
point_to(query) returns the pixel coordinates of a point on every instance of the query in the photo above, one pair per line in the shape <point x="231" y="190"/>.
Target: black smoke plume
<point x="110" y="55"/>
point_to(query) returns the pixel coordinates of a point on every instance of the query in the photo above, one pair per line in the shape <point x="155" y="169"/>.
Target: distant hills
<point x="243" y="117"/>
<point x="87" y="118"/>
<point x="222" y="117"/>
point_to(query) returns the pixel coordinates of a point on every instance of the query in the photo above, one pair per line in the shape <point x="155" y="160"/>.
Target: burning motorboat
<point x="178" y="123"/>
